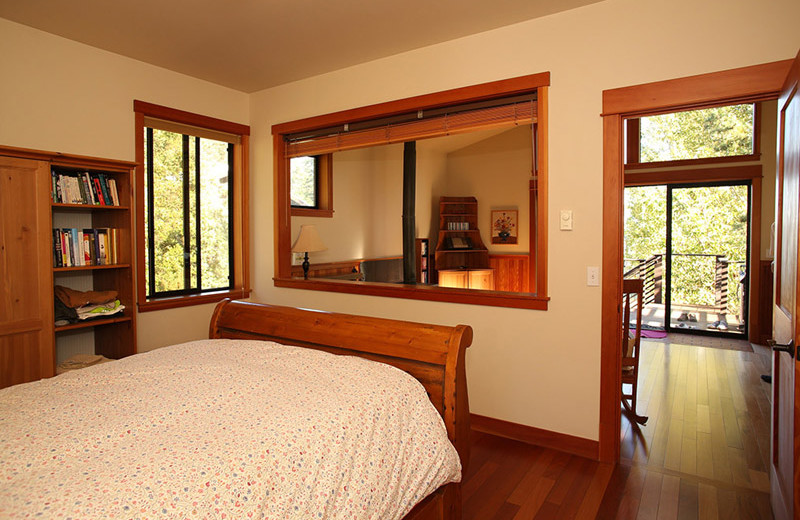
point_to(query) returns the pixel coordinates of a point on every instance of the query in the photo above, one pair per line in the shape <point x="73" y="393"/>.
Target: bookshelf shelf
<point x="89" y="268"/>
<point x="93" y="323"/>
<point x="85" y="207"/>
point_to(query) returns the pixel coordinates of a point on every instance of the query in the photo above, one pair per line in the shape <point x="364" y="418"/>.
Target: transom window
<point x="693" y="135"/>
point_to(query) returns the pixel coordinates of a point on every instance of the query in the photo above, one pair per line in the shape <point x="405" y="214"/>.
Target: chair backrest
<point x="632" y="299"/>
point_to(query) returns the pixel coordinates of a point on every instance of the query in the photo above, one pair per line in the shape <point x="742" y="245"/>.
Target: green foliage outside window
<point x="303" y="175"/>
<point x="705" y="221"/>
<point x="695" y="134"/>
<point x="168" y="214"/>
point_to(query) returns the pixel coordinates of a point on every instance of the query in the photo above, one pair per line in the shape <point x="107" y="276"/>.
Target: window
<point x="368" y="145"/>
<point x="190" y="207"/>
<point x="188" y="214"/>
<point x="311" y="185"/>
<point x="705" y="135"/>
<point x="304" y="172"/>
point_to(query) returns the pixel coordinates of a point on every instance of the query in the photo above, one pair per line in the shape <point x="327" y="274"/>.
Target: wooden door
<point x="26" y="276"/>
<point x="785" y="466"/>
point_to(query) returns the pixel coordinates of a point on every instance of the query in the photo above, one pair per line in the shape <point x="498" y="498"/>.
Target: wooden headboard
<point x="434" y="354"/>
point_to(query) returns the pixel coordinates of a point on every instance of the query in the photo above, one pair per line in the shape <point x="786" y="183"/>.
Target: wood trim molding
<point x="188" y="118"/>
<point x="241" y="206"/>
<point x="721" y="174"/>
<point x="497" y="89"/>
<point x="755" y="83"/>
<point x="536" y="436"/>
<point x="759" y="82"/>
<point x="506" y="87"/>
<point x="419" y="292"/>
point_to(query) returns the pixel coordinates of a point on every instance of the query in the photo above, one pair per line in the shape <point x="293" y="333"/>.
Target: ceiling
<point x="250" y="45"/>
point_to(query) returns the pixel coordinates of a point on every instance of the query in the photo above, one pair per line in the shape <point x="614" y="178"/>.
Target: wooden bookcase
<point x="458" y="226"/>
<point x="114" y="336"/>
<point x="423" y="260"/>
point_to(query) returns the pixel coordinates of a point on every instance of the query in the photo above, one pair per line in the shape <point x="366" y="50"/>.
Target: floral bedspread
<point x="222" y="429"/>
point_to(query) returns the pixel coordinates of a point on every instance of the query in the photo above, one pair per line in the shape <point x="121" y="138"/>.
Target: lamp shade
<point x="308" y="240"/>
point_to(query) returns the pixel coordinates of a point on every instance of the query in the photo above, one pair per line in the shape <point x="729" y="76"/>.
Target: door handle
<point x="778" y="347"/>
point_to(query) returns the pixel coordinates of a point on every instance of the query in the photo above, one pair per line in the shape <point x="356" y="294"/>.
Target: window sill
<point x="419" y="292"/>
<point x="194" y="299"/>
<point x="307" y="212"/>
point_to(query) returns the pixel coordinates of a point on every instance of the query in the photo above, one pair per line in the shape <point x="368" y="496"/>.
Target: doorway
<point x="759" y="82"/>
<point x="689" y="243"/>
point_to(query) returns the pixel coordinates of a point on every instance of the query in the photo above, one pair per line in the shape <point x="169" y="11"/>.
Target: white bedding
<point x="222" y="429"/>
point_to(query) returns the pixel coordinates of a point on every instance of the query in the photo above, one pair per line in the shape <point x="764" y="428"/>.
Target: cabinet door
<point x="482" y="279"/>
<point x="453" y="278"/>
<point x="26" y="276"/>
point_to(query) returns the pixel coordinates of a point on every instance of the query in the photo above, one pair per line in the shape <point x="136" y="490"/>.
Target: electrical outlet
<point x="297" y="258"/>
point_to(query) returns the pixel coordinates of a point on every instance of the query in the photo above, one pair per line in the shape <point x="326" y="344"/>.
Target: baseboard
<point x="545" y="438"/>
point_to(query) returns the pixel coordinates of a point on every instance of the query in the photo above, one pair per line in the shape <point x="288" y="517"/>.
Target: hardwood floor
<point x="702" y="454"/>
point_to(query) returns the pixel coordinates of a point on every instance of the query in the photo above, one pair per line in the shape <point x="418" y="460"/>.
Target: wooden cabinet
<point x="467" y="278"/>
<point x="26" y="279"/>
<point x="29" y="217"/>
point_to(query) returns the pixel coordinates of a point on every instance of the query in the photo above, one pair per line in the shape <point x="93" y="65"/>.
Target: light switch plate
<point x="593" y="276"/>
<point x="566" y="220"/>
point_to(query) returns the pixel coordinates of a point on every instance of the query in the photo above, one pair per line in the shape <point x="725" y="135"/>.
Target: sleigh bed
<point x="188" y="431"/>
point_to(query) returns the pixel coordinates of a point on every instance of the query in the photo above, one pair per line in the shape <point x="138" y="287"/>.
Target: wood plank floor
<point x="703" y="453"/>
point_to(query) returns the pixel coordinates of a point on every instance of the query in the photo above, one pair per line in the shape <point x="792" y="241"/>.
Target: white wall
<point x="63" y="96"/>
<point x="520" y="359"/>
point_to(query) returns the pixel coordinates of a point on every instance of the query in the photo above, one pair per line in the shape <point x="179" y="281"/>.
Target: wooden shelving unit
<point x="458" y="225"/>
<point x="115" y="335"/>
<point x="29" y="339"/>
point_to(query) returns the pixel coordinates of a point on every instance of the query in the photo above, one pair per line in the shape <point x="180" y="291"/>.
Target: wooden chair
<point x="632" y="295"/>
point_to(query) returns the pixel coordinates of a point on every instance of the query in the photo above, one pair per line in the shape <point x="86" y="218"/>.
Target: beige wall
<point x="520" y="359"/>
<point x="66" y="96"/>
<point x="496" y="171"/>
<point x="63" y="96"/>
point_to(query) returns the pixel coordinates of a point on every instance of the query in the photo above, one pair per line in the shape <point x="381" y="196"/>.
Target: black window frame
<point x="186" y="173"/>
<point x="317" y="193"/>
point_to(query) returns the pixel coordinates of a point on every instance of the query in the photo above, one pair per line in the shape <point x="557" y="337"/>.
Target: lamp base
<point x="306" y="265"/>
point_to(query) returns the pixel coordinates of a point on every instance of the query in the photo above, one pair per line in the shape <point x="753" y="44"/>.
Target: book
<point x="112" y="184"/>
<point x="58" y="260"/>
<point x="104" y="187"/>
<point x="102" y="245"/>
<point x="98" y="190"/>
<point x="87" y="252"/>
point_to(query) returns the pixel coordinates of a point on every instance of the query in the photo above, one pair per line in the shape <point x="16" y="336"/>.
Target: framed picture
<point x="504" y="226"/>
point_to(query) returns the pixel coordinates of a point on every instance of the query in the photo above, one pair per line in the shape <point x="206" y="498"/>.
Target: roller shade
<point x="197" y="131"/>
<point x="512" y="114"/>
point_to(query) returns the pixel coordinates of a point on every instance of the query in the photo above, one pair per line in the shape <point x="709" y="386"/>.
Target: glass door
<point x="706" y="261"/>
<point x="645" y="249"/>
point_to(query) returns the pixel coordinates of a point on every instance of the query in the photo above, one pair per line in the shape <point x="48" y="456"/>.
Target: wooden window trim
<point x="493" y="90"/>
<point x="241" y="246"/>
<point x="755" y="83"/>
<point x="324" y="207"/>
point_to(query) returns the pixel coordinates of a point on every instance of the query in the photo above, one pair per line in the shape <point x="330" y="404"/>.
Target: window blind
<point x="197" y="131"/>
<point x="518" y="113"/>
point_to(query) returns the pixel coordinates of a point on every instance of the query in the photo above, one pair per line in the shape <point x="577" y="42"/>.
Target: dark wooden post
<point x="409" y="211"/>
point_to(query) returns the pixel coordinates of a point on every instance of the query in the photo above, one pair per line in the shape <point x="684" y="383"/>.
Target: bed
<point x="193" y="438"/>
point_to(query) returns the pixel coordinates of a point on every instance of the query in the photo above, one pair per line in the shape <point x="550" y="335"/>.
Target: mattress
<point x="222" y="429"/>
